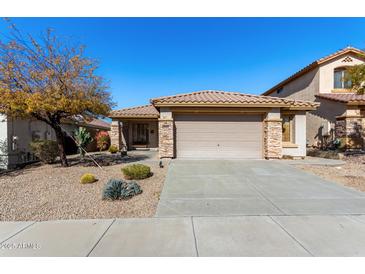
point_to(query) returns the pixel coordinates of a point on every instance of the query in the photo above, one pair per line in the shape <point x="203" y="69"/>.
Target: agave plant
<point x="112" y="189"/>
<point x="129" y="190"/>
<point x="83" y="138"/>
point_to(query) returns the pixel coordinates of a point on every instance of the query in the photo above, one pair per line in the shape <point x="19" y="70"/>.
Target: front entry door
<point x="140" y="134"/>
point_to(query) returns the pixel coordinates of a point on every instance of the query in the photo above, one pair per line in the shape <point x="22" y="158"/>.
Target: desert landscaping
<point x="50" y="192"/>
<point x="350" y="174"/>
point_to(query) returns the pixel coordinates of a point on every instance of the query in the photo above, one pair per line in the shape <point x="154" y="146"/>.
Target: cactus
<point x="88" y="178"/>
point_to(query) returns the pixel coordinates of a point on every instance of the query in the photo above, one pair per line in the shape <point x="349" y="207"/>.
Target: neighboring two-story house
<point x="341" y="112"/>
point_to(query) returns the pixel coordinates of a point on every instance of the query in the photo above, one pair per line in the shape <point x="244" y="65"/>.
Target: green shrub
<point x="45" y="150"/>
<point x="113" y="149"/>
<point x="112" y="189"/>
<point x="129" y="190"/>
<point x="88" y="178"/>
<point x="136" y="172"/>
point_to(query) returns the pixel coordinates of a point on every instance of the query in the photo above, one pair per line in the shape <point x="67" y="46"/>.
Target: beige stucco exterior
<point x="19" y="133"/>
<point x="320" y="123"/>
<point x="326" y="71"/>
<point x="298" y="148"/>
<point x="272" y="145"/>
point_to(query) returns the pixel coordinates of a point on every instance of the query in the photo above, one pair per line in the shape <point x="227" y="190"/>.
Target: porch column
<point x="166" y="134"/>
<point x="116" y="135"/>
<point x="350" y="131"/>
<point x="273" y="135"/>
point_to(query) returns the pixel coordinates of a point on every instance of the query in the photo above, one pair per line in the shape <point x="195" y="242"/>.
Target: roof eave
<point x="355" y="103"/>
<point x="331" y="99"/>
<point x="133" y="117"/>
<point x="313" y="66"/>
<point x="83" y="124"/>
<point x="292" y="77"/>
<point x="309" y="108"/>
<point x="220" y="105"/>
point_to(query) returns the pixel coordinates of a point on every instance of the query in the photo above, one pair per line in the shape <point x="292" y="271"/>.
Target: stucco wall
<point x="302" y="88"/>
<point x="299" y="137"/>
<point x="23" y="131"/>
<point x="320" y="121"/>
<point x="20" y="132"/>
<point x="4" y="141"/>
<point x="153" y="127"/>
<point x="326" y="78"/>
<point x="305" y="88"/>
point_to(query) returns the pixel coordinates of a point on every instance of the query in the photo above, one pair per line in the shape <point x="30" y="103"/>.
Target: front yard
<point x="50" y="192"/>
<point x="351" y="174"/>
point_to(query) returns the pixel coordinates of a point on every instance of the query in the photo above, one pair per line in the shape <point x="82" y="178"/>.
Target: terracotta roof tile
<point x="207" y="97"/>
<point x="99" y="124"/>
<point x="90" y="122"/>
<point x="147" y="111"/>
<point x="314" y="65"/>
<point x="343" y="97"/>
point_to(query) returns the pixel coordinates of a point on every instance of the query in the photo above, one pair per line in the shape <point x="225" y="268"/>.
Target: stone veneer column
<point x="166" y="134"/>
<point x="273" y="136"/>
<point x="350" y="130"/>
<point x="116" y="135"/>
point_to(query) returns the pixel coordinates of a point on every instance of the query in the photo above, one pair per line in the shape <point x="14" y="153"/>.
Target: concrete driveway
<point x="226" y="188"/>
<point x="293" y="214"/>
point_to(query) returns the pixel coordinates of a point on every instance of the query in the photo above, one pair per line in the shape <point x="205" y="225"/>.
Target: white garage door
<point x="219" y="136"/>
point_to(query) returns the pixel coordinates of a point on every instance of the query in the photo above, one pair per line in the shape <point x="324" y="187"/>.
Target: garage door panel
<point x="217" y="136"/>
<point x="222" y="155"/>
<point x="211" y="137"/>
<point x="217" y="118"/>
<point x="224" y="131"/>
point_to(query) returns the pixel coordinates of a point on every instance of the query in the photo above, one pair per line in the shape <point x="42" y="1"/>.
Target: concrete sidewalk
<point x="341" y="235"/>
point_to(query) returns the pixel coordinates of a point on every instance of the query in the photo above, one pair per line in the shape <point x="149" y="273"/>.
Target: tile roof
<point x="314" y="65"/>
<point x="93" y="123"/>
<point x="211" y="97"/>
<point x="147" y="111"/>
<point x="99" y="124"/>
<point x="351" y="98"/>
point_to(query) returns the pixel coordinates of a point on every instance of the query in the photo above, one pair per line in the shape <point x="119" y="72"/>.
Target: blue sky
<point x="150" y="57"/>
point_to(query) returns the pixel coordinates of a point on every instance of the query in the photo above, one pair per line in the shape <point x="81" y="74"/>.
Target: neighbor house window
<point x="279" y="90"/>
<point x="287" y="128"/>
<point x="339" y="79"/>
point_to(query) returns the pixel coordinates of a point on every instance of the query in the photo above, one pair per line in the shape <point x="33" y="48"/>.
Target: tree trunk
<point x="61" y="144"/>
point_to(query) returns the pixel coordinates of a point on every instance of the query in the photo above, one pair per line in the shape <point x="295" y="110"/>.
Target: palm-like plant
<point x="83" y="138"/>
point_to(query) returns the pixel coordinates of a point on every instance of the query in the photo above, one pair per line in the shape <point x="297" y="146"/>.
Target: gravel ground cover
<point x="50" y="192"/>
<point x="351" y="174"/>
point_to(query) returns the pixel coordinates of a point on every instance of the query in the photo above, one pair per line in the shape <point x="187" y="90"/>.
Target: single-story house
<point x="341" y="114"/>
<point x="214" y="125"/>
<point x="16" y="135"/>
